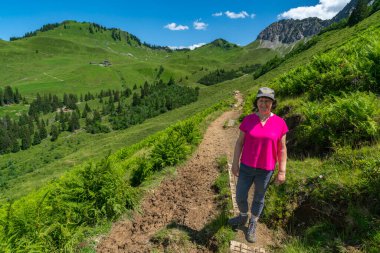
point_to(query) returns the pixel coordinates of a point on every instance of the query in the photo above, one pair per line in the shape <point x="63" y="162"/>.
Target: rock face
<point x="288" y="31"/>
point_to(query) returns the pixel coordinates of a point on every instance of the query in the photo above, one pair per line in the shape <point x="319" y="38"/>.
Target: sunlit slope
<point x="324" y="43"/>
<point x="181" y="63"/>
<point x="58" y="60"/>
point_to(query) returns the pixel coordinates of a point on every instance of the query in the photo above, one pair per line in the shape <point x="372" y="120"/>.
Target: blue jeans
<point x="261" y="179"/>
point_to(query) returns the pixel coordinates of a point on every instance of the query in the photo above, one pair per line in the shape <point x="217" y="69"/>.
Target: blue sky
<point x="165" y="22"/>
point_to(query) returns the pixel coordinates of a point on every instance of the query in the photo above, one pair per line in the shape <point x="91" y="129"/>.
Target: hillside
<point x="57" y="61"/>
<point x="329" y="95"/>
<point x="328" y="203"/>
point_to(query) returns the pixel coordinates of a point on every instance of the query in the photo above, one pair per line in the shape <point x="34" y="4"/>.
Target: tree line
<point x="221" y="75"/>
<point x="148" y="101"/>
<point x="152" y="100"/>
<point x="50" y="103"/>
<point x="44" y="28"/>
<point x="8" y="96"/>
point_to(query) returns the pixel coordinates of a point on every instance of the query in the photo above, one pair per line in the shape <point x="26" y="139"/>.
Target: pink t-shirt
<point x="261" y="142"/>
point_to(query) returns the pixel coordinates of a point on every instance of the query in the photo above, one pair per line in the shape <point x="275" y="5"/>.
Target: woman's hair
<point x="255" y="108"/>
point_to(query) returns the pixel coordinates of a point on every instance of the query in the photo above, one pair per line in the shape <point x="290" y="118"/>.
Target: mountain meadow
<point x="92" y="118"/>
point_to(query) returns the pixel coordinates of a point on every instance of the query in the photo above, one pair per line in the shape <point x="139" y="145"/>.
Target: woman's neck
<point x="264" y="116"/>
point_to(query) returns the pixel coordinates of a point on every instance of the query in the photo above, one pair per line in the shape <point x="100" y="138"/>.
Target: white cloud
<point x="233" y="15"/>
<point x="175" y="27"/>
<point x="192" y="47"/>
<point x="198" y="25"/>
<point x="325" y="9"/>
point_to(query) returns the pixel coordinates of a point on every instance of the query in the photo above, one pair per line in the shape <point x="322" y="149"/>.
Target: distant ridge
<point x="222" y="43"/>
<point x="92" y="28"/>
<point x="289" y="31"/>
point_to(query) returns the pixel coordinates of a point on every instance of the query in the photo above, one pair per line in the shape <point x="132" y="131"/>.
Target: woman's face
<point x="264" y="105"/>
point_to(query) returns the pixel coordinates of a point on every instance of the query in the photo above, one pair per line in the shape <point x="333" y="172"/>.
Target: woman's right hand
<point x="235" y="169"/>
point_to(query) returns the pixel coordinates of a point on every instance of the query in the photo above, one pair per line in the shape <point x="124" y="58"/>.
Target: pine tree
<point x="116" y="96"/>
<point x="15" y="145"/>
<point x="171" y="81"/>
<point x="5" y="141"/>
<point x="74" y="122"/>
<point x="36" y="138"/>
<point x="42" y="130"/>
<point x="8" y="95"/>
<point x="119" y="108"/>
<point x="63" y="126"/>
<point x="26" y="139"/>
<point x="17" y="97"/>
<point x="54" y="132"/>
<point x="127" y="92"/>
<point x="97" y="116"/>
<point x="135" y="99"/>
<point x="55" y="103"/>
<point x="65" y="99"/>
<point x="1" y="97"/>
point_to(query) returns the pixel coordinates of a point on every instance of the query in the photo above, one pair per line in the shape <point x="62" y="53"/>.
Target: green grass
<point x="65" y="55"/>
<point x="39" y="63"/>
<point x="329" y="203"/>
<point x="28" y="170"/>
<point x="39" y="168"/>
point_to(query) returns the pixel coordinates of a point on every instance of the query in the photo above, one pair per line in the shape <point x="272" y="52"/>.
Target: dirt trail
<point x="187" y="200"/>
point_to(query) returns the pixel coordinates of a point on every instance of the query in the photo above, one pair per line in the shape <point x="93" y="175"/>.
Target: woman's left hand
<point x="280" y="179"/>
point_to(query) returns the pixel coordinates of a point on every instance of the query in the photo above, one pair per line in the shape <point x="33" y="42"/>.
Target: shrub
<point x="188" y="130"/>
<point x="346" y="120"/>
<point x="169" y="150"/>
<point x="144" y="169"/>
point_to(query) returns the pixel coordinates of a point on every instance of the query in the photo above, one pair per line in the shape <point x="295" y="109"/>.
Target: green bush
<point x="60" y="215"/>
<point x="337" y="121"/>
<point x="144" y="169"/>
<point x="189" y="130"/>
<point x="169" y="150"/>
<point x="331" y="204"/>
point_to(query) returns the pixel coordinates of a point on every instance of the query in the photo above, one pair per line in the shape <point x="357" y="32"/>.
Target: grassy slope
<point x="336" y="177"/>
<point x="58" y="61"/>
<point x="42" y="168"/>
<point x="29" y="169"/>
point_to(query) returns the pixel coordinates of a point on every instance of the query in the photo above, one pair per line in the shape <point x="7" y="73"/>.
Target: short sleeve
<point x="284" y="128"/>
<point x="244" y="125"/>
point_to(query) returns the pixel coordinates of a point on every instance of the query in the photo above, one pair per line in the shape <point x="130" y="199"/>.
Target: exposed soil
<point x="186" y="201"/>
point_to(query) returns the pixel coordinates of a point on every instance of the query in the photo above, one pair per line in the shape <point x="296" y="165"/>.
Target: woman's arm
<point x="282" y="157"/>
<point x="237" y="154"/>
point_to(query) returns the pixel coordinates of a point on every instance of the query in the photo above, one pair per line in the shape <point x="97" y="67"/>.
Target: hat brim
<point x="266" y="96"/>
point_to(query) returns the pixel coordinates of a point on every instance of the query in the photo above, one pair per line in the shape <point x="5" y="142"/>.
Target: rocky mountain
<point x="288" y="31"/>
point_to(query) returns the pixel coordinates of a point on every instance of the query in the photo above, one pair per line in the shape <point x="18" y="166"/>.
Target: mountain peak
<point x="222" y="43"/>
<point x="288" y="31"/>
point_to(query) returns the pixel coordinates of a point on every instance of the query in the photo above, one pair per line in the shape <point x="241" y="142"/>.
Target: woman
<point x="261" y="144"/>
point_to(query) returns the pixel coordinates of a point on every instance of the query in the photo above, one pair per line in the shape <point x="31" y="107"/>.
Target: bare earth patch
<point x="186" y="201"/>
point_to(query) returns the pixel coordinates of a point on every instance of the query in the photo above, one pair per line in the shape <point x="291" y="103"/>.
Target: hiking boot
<point x="238" y="221"/>
<point x="250" y="236"/>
